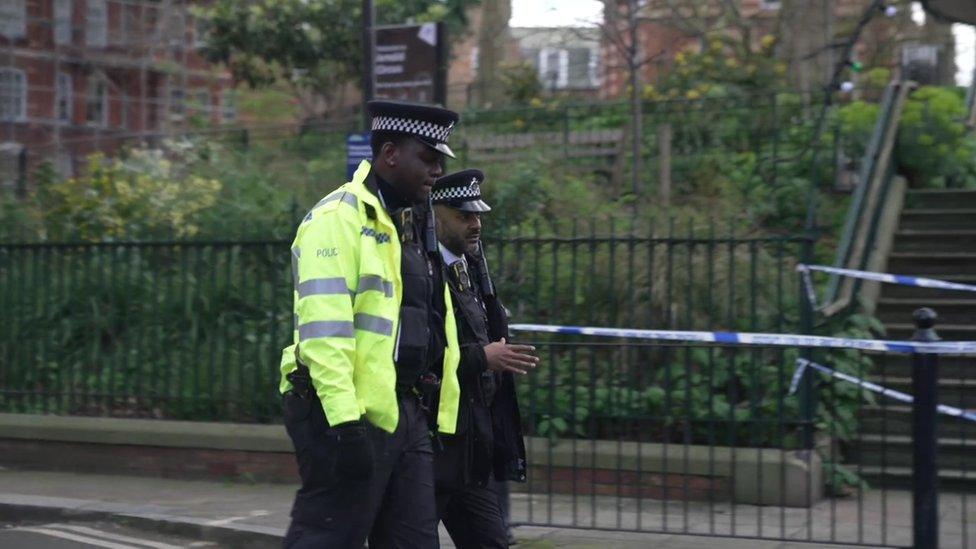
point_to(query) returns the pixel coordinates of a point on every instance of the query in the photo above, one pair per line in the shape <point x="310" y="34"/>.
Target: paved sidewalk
<point x="255" y="515"/>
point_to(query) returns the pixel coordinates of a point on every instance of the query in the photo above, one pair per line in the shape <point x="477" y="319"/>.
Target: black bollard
<point x="925" y="480"/>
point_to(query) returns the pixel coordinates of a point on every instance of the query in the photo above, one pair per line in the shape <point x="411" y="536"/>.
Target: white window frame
<point x="13" y="18"/>
<point x="63" y="12"/>
<point x="561" y="70"/>
<point x="96" y="82"/>
<point x="13" y="89"/>
<point x="63" y="92"/>
<point x="96" y="23"/>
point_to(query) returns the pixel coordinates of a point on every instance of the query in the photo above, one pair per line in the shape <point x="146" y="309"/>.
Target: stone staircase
<point x="936" y="238"/>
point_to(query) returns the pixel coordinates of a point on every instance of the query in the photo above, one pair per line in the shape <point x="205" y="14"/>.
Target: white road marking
<point x="74" y="537"/>
<point x="218" y="522"/>
<point x="113" y="537"/>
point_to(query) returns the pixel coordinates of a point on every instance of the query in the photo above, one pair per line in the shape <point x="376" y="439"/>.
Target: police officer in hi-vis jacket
<point x="375" y="344"/>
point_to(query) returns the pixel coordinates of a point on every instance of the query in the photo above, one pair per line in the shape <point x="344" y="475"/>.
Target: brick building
<point x="804" y="29"/>
<point x="79" y="76"/>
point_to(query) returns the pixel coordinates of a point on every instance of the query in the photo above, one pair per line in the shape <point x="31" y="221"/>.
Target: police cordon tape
<point x="758" y="339"/>
<point x="802" y="364"/>
<point x="902" y="280"/>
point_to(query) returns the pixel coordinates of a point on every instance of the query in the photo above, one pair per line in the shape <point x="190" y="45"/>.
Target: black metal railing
<point x="677" y="438"/>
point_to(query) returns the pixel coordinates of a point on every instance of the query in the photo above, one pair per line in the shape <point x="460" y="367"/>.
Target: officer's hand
<point x="354" y="459"/>
<point x="505" y="357"/>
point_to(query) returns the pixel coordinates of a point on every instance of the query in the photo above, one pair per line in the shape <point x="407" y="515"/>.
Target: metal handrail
<point x="860" y="226"/>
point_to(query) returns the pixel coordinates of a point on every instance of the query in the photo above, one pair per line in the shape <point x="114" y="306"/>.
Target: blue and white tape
<point x="902" y="280"/>
<point x="758" y="339"/>
<point x="802" y="364"/>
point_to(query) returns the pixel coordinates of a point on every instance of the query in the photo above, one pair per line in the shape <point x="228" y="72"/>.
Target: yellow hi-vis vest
<point x="348" y="289"/>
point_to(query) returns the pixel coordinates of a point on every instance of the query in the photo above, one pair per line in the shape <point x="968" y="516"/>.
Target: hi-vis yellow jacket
<point x="348" y="289"/>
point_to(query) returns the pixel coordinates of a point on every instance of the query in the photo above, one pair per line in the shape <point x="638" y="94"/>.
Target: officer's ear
<point x="390" y="154"/>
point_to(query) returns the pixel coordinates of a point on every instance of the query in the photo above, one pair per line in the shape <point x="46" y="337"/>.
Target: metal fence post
<point x="925" y="495"/>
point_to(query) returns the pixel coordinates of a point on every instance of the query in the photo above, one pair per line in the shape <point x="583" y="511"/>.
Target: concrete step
<point x="948" y="332"/>
<point x="896" y="450"/>
<point x="942" y="219"/>
<point x="893" y="366"/>
<point x="950" y="311"/>
<point x="924" y="240"/>
<point x="940" y="198"/>
<point x="898" y="291"/>
<point x="950" y="480"/>
<point x="896" y="419"/>
<point x="932" y="264"/>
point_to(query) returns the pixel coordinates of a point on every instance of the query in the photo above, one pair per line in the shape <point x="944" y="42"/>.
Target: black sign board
<point x="409" y="63"/>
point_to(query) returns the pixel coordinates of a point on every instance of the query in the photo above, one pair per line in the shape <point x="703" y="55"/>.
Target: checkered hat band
<point x="468" y="192"/>
<point x="416" y="127"/>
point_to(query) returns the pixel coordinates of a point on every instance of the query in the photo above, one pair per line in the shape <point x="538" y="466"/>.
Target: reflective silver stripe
<point x="346" y="197"/>
<point x="322" y="286"/>
<point x="325" y="328"/>
<point x="295" y="256"/>
<point x="375" y="282"/>
<point x="372" y="323"/>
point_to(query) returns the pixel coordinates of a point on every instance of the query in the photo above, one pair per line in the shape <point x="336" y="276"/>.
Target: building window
<point x="62" y="21"/>
<point x="123" y="110"/>
<point x="13" y="18"/>
<point x="64" y="163"/>
<point x="200" y="29"/>
<point x="228" y="106"/>
<point x="63" y="97"/>
<point x="13" y="94"/>
<point x="554" y="68"/>
<point x="176" y="30"/>
<point x="475" y="55"/>
<point x="177" y="98"/>
<point x="202" y="101"/>
<point x="96" y="23"/>
<point x="131" y="26"/>
<point x="11" y="165"/>
<point x="96" y="102"/>
<point x="770" y="4"/>
<point x="580" y="69"/>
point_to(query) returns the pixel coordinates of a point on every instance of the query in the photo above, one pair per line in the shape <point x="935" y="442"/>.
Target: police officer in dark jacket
<point x="488" y="445"/>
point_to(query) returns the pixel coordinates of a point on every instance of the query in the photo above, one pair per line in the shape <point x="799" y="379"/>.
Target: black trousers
<point x="473" y="517"/>
<point x="395" y="508"/>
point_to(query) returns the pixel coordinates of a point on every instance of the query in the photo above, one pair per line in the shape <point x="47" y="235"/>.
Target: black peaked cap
<point x="430" y="124"/>
<point x="461" y="190"/>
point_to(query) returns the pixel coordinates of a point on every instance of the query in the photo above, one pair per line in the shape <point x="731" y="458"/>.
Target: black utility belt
<point x="425" y="385"/>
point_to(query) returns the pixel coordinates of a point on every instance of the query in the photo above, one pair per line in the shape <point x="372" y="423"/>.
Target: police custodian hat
<point x="460" y="190"/>
<point x="429" y="124"/>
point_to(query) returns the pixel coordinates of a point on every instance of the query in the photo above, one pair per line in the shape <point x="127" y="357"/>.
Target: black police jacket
<point x="421" y="341"/>
<point x="489" y="434"/>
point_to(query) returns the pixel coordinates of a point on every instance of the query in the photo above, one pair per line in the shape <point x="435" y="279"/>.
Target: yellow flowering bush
<point x="140" y="196"/>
